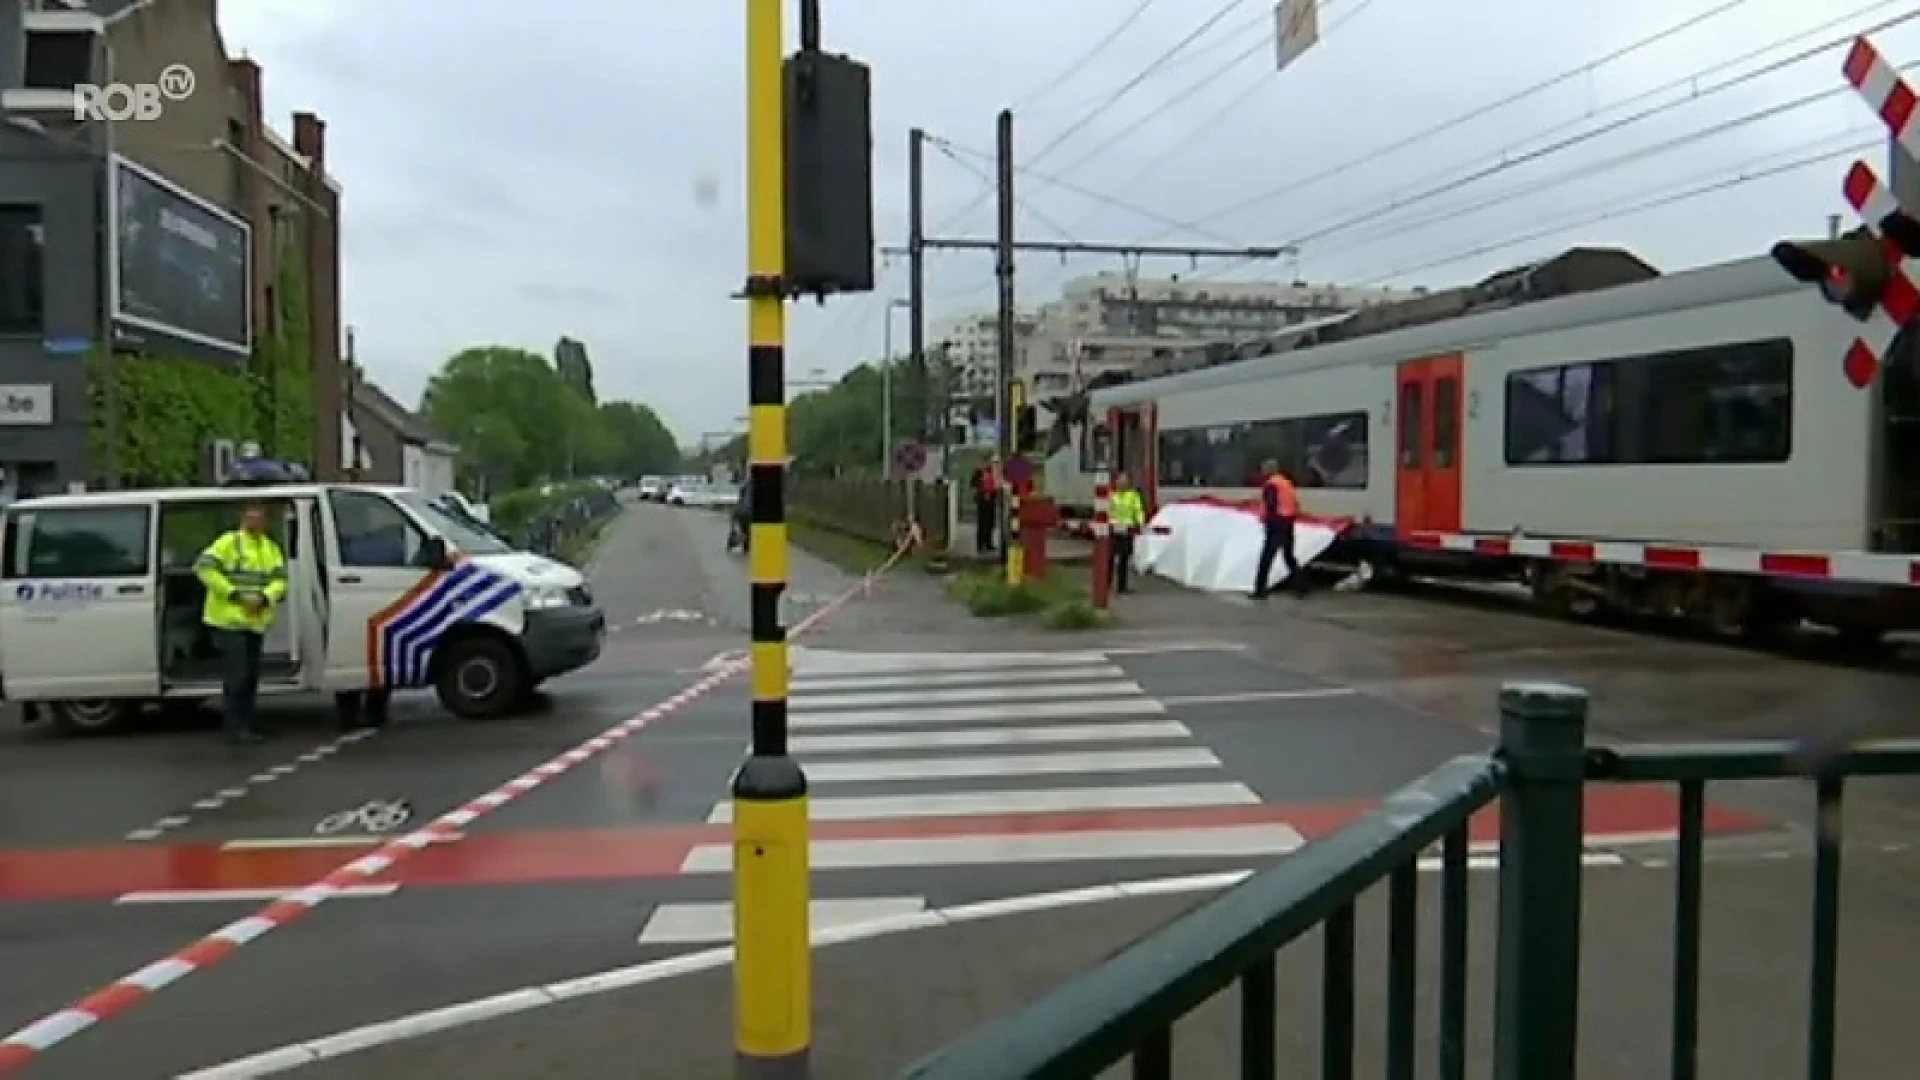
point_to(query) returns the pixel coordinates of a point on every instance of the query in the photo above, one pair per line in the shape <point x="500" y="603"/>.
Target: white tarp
<point x="1216" y="547"/>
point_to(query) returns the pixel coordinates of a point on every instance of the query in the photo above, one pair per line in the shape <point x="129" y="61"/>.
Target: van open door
<point x="307" y="593"/>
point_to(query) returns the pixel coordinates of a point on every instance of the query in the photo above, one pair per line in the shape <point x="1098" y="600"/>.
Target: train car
<point x="1685" y="445"/>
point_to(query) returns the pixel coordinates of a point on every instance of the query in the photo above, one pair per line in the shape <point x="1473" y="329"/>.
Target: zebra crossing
<point x="929" y="761"/>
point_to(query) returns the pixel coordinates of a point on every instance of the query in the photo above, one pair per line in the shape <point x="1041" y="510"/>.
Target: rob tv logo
<point x="133" y="101"/>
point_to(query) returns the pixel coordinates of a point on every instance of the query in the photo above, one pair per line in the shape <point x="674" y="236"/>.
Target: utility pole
<point x="917" y="281"/>
<point x="1004" y="246"/>
<point x="109" y="278"/>
<point x="1003" y="377"/>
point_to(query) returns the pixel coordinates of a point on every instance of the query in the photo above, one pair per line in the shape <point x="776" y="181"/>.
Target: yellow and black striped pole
<point x="773" y="1006"/>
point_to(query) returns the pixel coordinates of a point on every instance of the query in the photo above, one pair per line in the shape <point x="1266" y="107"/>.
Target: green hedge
<point x="514" y="510"/>
<point x="170" y="407"/>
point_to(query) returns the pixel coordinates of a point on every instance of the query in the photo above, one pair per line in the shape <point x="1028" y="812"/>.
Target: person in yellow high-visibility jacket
<point x="1127" y="517"/>
<point x="246" y="579"/>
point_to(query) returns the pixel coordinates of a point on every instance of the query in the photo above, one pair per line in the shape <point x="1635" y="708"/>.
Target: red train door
<point x="1427" y="486"/>
<point x="1133" y="449"/>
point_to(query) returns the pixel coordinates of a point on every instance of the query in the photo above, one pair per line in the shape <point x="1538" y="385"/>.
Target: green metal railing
<point x="1128" y="1006"/>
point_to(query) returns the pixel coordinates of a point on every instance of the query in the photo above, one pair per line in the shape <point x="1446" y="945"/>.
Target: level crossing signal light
<point x="1852" y="271"/>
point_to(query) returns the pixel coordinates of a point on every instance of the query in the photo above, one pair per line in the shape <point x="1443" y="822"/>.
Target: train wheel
<point x="1727" y="609"/>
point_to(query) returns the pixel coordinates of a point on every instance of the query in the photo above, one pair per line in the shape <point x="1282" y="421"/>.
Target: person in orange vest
<point x="1279" y="510"/>
<point x="986" y="504"/>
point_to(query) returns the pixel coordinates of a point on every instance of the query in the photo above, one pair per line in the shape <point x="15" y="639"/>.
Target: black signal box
<point x="829" y="174"/>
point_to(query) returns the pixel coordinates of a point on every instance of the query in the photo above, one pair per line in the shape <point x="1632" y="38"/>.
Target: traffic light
<point x="1852" y="270"/>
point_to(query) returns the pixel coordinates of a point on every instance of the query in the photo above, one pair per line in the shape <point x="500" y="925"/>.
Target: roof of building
<point x="401" y="419"/>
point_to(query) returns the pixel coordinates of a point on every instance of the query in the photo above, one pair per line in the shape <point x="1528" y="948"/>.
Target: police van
<point x="100" y="607"/>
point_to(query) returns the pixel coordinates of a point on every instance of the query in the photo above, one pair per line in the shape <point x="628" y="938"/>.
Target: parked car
<point x="702" y="496"/>
<point x="653" y="488"/>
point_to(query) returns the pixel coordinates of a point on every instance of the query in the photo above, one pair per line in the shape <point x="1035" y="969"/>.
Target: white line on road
<point x="818" y="662"/>
<point x="1040" y="801"/>
<point x="313" y="755"/>
<point x="972" y="694"/>
<point x="1076" y="763"/>
<point x="275" y="843"/>
<point x="527" y="999"/>
<point x="1183" y="842"/>
<point x="214" y="896"/>
<point x="711" y="924"/>
<point x="978" y="738"/>
<point x="888" y="681"/>
<point x="960" y="715"/>
<point x="1317" y="694"/>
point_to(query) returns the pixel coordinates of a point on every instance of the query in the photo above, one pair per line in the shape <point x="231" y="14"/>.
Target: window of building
<point x="1316" y="451"/>
<point x="22" y="270"/>
<point x="89" y="542"/>
<point x="1726" y="404"/>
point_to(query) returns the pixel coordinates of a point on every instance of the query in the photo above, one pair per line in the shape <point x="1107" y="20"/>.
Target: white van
<point x="100" y="608"/>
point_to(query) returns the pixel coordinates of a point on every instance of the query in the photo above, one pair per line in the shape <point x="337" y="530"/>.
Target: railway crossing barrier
<point x="1870" y="272"/>
<point x="1128" y="1006"/>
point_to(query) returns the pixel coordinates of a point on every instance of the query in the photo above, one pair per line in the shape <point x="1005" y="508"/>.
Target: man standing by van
<point x="1279" y="510"/>
<point x="246" y="579"/>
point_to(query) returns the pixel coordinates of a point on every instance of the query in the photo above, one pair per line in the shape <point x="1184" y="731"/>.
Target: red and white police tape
<point x="28" y="1043"/>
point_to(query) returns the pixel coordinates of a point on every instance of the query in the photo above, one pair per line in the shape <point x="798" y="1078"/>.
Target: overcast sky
<point x="514" y="172"/>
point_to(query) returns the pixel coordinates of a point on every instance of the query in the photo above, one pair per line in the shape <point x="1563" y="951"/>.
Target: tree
<point x="518" y="421"/>
<point x="570" y="360"/>
<point x="639" y="443"/>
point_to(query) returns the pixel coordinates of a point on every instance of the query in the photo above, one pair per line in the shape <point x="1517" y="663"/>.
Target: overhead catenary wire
<point x="1645" y="205"/>
<point x="1111" y="99"/>
<point x="1375" y="213"/>
<point x="1447" y="215"/>
<point x="1020" y="201"/>
<point x="1481" y="111"/>
<point x="1506" y="160"/>
<point x="1132" y="84"/>
<point x="1067" y="73"/>
<point x="1047" y="179"/>
<point x="1260" y="45"/>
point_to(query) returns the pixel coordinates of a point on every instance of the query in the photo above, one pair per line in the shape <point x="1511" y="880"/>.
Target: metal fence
<point x="871" y="508"/>
<point x="552" y="529"/>
<point x="1128" y="1006"/>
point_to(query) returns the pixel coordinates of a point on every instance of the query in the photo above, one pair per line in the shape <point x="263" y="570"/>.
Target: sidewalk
<point x="882" y="1004"/>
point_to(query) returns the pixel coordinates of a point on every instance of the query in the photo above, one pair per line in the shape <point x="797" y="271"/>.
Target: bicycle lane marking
<point x="235" y="792"/>
<point x="35" y="1039"/>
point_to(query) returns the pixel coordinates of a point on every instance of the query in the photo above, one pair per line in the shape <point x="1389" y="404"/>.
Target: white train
<point x="1683" y="445"/>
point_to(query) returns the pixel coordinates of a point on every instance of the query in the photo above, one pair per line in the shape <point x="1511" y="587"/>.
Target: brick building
<point x="215" y="144"/>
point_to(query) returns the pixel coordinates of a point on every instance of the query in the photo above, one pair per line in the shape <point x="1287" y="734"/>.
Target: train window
<point x="1446" y="421"/>
<point x="1316" y="451"/>
<point x="1726" y="404"/>
<point x="1410" y="422"/>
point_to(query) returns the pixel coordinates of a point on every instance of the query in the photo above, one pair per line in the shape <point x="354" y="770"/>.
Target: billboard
<point x="177" y="265"/>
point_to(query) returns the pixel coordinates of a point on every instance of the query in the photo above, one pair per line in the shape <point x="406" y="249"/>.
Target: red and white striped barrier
<point x="1880" y="85"/>
<point x="1852" y="566"/>
<point x="1102" y="541"/>
<point x="28" y="1043"/>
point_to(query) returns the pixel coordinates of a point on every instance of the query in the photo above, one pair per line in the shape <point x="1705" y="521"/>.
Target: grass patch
<point x="1058" y="601"/>
<point x="854" y="554"/>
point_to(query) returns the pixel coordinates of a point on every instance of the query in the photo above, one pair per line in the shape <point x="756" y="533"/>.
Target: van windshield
<point x="465" y="535"/>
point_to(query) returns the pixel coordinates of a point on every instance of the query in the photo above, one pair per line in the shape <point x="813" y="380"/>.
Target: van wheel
<point x="479" y="678"/>
<point x="89" y="716"/>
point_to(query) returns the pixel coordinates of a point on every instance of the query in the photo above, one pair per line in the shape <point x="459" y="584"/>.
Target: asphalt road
<point x="951" y="763"/>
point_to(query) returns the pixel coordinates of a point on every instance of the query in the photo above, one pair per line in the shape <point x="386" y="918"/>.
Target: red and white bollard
<point x="1102" y="542"/>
